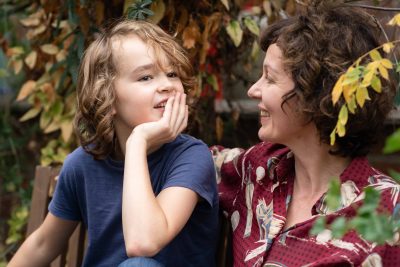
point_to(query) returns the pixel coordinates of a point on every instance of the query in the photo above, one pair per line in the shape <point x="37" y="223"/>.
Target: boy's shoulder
<point x="185" y="141"/>
<point x="79" y="158"/>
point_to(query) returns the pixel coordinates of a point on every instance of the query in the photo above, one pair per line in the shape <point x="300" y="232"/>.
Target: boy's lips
<point x="161" y="104"/>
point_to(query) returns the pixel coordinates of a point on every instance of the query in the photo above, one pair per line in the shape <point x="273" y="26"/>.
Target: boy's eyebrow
<point x="144" y="67"/>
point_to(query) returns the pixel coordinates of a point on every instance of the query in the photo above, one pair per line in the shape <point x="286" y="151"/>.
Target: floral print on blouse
<point x="255" y="188"/>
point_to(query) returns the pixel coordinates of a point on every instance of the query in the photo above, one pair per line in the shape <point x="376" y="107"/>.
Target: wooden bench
<point x="72" y="256"/>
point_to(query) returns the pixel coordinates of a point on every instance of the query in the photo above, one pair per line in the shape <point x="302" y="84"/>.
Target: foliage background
<point x="42" y="42"/>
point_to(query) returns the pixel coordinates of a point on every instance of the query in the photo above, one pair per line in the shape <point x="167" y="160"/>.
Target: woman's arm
<point x="46" y="243"/>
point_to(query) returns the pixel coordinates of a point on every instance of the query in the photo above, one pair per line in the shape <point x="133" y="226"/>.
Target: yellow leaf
<point x="30" y="60"/>
<point x="348" y="91"/>
<point x="62" y="55"/>
<point x="341" y="130"/>
<point x="45" y="119"/>
<point x="383" y="71"/>
<point x="30" y="21"/>
<point x="15" y="51"/>
<point x="17" y="65"/>
<point x="33" y="112"/>
<point x="158" y="8"/>
<point x="375" y="55"/>
<point x="387" y="47"/>
<point x="343" y="115"/>
<point x="267" y="8"/>
<point x="361" y="96"/>
<point x="219" y="128"/>
<point x="351" y="105"/>
<point x="395" y="21"/>
<point x="337" y="90"/>
<point x="49" y="49"/>
<point x="333" y="136"/>
<point x="52" y="127"/>
<point x="376" y="84"/>
<point x="387" y="63"/>
<point x="235" y="32"/>
<point x="66" y="130"/>
<point x="191" y="34"/>
<point x="226" y="4"/>
<point x="26" y="89"/>
<point x="36" y="31"/>
<point x="368" y="78"/>
<point x="255" y="51"/>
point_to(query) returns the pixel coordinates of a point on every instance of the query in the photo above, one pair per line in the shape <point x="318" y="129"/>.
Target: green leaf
<point x="319" y="226"/>
<point x="235" y="32"/>
<point x="212" y="80"/>
<point x="371" y="201"/>
<point x="333" y="196"/>
<point x="392" y="143"/>
<point x="339" y="227"/>
<point x="4" y="73"/>
<point x="252" y="26"/>
<point x="395" y="175"/>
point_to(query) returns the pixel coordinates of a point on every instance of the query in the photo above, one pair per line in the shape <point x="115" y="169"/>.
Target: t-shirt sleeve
<point x="193" y="168"/>
<point x="64" y="203"/>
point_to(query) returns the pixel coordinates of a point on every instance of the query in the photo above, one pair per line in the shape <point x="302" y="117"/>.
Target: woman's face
<point x="277" y="125"/>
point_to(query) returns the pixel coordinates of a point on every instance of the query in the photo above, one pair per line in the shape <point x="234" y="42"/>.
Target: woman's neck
<point x="315" y="167"/>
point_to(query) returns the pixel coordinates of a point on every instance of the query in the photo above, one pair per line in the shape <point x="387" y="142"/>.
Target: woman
<point x="273" y="192"/>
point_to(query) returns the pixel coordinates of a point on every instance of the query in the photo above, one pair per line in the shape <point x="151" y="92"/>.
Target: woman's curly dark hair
<point x="95" y="91"/>
<point x="319" y="46"/>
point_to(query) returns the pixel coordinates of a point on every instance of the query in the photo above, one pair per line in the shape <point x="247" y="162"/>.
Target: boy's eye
<point x="145" y="78"/>
<point x="172" y="74"/>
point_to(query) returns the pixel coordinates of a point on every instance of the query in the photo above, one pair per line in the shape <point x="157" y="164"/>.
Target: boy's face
<point x="142" y="88"/>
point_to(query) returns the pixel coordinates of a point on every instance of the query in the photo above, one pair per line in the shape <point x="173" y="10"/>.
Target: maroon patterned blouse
<point x="255" y="188"/>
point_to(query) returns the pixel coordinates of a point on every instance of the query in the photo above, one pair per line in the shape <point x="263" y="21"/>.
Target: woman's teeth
<point x="264" y="113"/>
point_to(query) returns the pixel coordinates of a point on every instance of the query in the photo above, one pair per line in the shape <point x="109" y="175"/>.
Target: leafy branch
<point x="353" y="85"/>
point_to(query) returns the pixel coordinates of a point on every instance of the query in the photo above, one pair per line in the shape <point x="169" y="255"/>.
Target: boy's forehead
<point x="126" y="46"/>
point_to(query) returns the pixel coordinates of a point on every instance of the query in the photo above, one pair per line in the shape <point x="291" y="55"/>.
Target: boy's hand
<point x="172" y="123"/>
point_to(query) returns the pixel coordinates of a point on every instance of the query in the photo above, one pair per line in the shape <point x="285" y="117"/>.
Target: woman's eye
<point x="172" y="74"/>
<point x="145" y="78"/>
<point x="269" y="80"/>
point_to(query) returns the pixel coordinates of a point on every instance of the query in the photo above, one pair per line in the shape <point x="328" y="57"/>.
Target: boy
<point x="141" y="188"/>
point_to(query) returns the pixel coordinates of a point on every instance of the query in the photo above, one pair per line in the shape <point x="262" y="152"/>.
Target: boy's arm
<point x="149" y="222"/>
<point x="44" y="244"/>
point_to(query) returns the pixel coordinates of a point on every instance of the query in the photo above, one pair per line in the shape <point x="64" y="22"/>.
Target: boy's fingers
<point x="175" y="109"/>
<point x="185" y="120"/>
<point x="182" y="111"/>
<point x="168" y="109"/>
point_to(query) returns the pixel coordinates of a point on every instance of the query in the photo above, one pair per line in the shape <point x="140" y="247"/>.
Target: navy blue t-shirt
<point x="90" y="190"/>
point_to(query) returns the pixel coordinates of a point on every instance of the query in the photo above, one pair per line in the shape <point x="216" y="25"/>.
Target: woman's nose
<point x="254" y="91"/>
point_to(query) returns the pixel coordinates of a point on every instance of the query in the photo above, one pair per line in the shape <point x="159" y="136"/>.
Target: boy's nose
<point x="166" y="86"/>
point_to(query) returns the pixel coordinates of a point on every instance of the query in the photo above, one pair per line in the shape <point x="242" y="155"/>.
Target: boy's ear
<point x="113" y="110"/>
